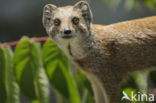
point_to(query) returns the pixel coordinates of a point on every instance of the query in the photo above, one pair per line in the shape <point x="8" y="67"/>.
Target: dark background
<point x="24" y="17"/>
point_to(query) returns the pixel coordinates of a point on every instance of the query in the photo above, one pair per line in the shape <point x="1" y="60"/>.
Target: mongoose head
<point x="69" y="23"/>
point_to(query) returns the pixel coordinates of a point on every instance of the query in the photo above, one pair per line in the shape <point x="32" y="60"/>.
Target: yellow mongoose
<point x="106" y="53"/>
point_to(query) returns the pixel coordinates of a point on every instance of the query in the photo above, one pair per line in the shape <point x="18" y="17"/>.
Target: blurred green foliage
<point x="33" y="68"/>
<point x="9" y="90"/>
<point x="29" y="71"/>
<point x="133" y="4"/>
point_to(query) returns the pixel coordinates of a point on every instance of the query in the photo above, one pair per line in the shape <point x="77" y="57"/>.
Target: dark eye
<point x="57" y="22"/>
<point x="75" y="20"/>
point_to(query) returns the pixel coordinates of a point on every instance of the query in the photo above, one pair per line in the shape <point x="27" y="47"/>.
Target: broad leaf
<point x="141" y="81"/>
<point x="9" y="91"/>
<point x="152" y="76"/>
<point x="85" y="87"/>
<point x="3" y="95"/>
<point x="29" y="71"/>
<point x="57" y="69"/>
<point x="127" y="92"/>
<point x="85" y="81"/>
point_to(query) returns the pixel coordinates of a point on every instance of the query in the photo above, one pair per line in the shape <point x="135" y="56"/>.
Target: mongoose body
<point x="107" y="54"/>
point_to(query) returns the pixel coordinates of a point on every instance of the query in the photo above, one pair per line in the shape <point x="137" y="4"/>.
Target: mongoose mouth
<point x="67" y="37"/>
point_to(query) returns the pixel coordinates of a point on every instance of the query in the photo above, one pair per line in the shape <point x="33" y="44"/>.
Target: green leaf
<point x="29" y="71"/>
<point x="141" y="81"/>
<point x="85" y="88"/>
<point x="129" y="4"/>
<point x="150" y="4"/>
<point x="57" y="69"/>
<point x="3" y="95"/>
<point x="129" y="91"/>
<point x="85" y="81"/>
<point x="41" y="80"/>
<point x="59" y="98"/>
<point x="9" y="91"/>
<point x="152" y="76"/>
<point x="42" y="86"/>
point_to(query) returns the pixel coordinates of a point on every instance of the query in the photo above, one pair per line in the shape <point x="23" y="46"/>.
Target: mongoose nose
<point x="67" y="31"/>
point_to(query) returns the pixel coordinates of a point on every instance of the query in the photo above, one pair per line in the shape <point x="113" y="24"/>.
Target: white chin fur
<point x="76" y="46"/>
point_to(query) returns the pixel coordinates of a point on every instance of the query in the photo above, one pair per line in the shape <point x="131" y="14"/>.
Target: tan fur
<point x="123" y="48"/>
<point x="106" y="53"/>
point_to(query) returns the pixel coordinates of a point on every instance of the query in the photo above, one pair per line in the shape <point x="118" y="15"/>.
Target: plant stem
<point x="14" y="43"/>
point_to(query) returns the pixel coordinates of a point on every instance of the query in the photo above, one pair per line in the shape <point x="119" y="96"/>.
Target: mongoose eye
<point x="75" y="20"/>
<point x="57" y="22"/>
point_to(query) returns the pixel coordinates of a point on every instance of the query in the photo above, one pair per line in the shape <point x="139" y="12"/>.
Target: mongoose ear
<point x="84" y="7"/>
<point x="48" y="12"/>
